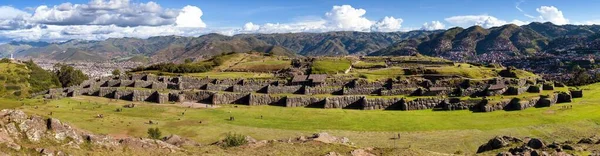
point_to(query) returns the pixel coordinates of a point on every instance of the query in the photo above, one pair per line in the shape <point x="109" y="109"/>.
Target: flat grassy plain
<point x="438" y="131"/>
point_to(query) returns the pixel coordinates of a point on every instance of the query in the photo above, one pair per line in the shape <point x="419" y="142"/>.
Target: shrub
<point x="233" y="140"/>
<point x="154" y="133"/>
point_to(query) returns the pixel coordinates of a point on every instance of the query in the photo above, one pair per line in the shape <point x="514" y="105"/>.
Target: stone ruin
<point x="318" y="92"/>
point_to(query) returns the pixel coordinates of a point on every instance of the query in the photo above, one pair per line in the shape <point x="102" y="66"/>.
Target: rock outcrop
<point x="15" y="125"/>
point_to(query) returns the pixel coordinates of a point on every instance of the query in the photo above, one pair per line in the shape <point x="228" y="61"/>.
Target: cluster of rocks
<point x="534" y="146"/>
<point x="15" y="125"/>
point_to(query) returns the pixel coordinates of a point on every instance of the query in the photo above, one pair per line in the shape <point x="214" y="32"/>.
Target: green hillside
<point x="19" y="80"/>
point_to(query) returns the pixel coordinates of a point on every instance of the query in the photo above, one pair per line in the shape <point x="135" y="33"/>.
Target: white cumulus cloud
<point x="434" y="25"/>
<point x="99" y="19"/>
<point x="339" y="18"/>
<point x="485" y="21"/>
<point x="190" y="17"/>
<point x="347" y="18"/>
<point x="552" y="14"/>
<point x="387" y="24"/>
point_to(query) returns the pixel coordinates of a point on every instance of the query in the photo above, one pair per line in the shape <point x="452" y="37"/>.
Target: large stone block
<point x="231" y="98"/>
<point x="354" y="102"/>
<point x="298" y="89"/>
<point x="304" y="101"/>
<point x="266" y="99"/>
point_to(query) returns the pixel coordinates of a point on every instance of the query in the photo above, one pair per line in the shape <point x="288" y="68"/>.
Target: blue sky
<point x="113" y="18"/>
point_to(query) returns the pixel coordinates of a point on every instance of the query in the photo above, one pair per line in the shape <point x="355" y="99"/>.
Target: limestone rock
<point x="535" y="143"/>
<point x="333" y="154"/>
<point x="63" y="131"/>
<point x="179" y="141"/>
<point x="326" y="138"/>
<point x="498" y="142"/>
<point x="361" y="152"/>
<point x="33" y="128"/>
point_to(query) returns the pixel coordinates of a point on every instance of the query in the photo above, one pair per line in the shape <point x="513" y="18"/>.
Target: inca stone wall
<point x="250" y="91"/>
<point x="249" y="88"/>
<point x="266" y="99"/>
<point x="421" y="103"/>
<point x="304" y="101"/>
<point x="142" y="84"/>
<point x="323" y="90"/>
<point x="367" y="84"/>
<point x="354" y="102"/>
<point x="563" y="97"/>
<point x="230" y="98"/>
<point x="514" y="90"/>
<point x="576" y="93"/>
<point x="382" y="103"/>
<point x="213" y="87"/>
<point x="361" y="91"/>
<point x="285" y="89"/>
<point x="197" y="96"/>
<point x="125" y="94"/>
<point x="403" y="91"/>
<point x="548" y="86"/>
<point x="438" y="91"/>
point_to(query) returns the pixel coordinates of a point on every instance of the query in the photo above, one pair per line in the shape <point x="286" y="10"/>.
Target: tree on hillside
<point x="188" y="60"/>
<point x="40" y="79"/>
<point x="116" y="72"/>
<point x="69" y="76"/>
<point x="154" y="133"/>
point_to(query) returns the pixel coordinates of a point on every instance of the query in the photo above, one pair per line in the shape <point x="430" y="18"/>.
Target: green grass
<point x="13" y="80"/>
<point x="261" y="63"/>
<point x="330" y="65"/>
<point x="226" y="75"/>
<point x="380" y="74"/>
<point x="439" y="131"/>
<point x="367" y="65"/>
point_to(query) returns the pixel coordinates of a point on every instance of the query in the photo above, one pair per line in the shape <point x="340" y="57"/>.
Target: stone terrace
<point x="317" y="91"/>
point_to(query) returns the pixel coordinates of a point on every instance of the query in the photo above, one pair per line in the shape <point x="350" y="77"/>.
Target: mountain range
<point x="528" y="39"/>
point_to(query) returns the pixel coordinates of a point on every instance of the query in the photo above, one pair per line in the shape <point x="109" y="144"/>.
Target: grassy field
<point x="439" y="131"/>
<point x="330" y="65"/>
<point x="13" y="80"/>
<point x="260" y="63"/>
<point x="225" y="75"/>
<point x="380" y="74"/>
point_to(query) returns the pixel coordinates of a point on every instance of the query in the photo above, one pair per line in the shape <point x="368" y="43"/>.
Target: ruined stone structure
<point x="437" y="94"/>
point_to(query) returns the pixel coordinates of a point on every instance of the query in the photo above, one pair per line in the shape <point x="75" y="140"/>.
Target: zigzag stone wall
<point x="361" y="91"/>
<point x="266" y="99"/>
<point x="285" y="89"/>
<point x="301" y="101"/>
<point x="382" y="103"/>
<point x="344" y="102"/>
<point x="421" y="103"/>
<point x="403" y="91"/>
<point x="249" y="88"/>
<point x="230" y="98"/>
<point x="323" y="90"/>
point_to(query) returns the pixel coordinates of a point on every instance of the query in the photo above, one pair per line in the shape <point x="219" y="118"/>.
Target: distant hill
<point x="510" y="39"/>
<point x="454" y="42"/>
<point x="177" y="48"/>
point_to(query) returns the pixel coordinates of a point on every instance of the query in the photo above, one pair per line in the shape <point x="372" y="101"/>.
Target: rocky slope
<point x="24" y="134"/>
